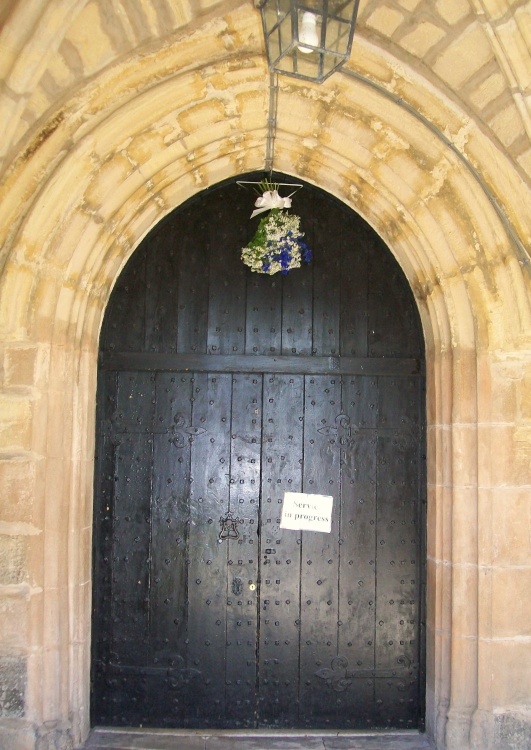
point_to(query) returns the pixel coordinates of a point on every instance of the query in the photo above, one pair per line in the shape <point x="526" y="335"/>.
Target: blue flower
<point x="277" y="245"/>
<point x="285" y="259"/>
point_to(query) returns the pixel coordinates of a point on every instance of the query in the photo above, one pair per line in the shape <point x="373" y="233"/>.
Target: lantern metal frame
<point x="292" y="51"/>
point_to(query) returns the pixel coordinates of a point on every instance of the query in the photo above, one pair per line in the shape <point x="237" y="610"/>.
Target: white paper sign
<point x="306" y="512"/>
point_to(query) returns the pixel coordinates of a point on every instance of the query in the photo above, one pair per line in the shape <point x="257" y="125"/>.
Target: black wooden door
<point x="219" y="391"/>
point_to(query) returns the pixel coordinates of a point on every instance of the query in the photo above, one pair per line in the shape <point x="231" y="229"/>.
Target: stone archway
<point x="118" y="158"/>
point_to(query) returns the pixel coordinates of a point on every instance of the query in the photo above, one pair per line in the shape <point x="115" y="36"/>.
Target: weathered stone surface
<point x="16" y="734"/>
<point x="512" y="730"/>
<point x="18" y="477"/>
<point x="12" y="686"/>
<point x="54" y="735"/>
<point x="13" y="559"/>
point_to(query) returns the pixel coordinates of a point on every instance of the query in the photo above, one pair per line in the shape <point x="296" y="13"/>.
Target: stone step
<point x="138" y="739"/>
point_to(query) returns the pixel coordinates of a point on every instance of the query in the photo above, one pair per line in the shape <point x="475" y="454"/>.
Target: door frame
<point x="167" y="361"/>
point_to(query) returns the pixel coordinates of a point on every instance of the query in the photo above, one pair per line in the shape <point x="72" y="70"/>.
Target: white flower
<point x="277" y="245"/>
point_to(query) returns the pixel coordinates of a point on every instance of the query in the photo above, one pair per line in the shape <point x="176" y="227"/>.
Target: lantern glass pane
<point x="343" y="9"/>
<point x="337" y="36"/>
<point x="273" y="46"/>
<point x="284" y="7"/>
<point x="307" y="65"/>
<point x="269" y="17"/>
<point x="331" y="63"/>
<point x="286" y="64"/>
<point x="286" y="34"/>
<point x="273" y="12"/>
<point x="314" y="6"/>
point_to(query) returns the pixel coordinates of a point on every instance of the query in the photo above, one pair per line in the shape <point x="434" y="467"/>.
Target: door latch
<point x="229" y="527"/>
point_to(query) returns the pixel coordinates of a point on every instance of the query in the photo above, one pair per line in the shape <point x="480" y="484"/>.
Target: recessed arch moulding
<point x="126" y="150"/>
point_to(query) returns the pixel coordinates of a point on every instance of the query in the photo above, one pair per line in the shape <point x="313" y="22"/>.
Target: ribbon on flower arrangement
<point x="270" y="199"/>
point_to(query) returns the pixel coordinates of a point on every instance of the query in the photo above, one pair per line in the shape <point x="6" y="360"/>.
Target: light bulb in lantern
<point x="308" y="32"/>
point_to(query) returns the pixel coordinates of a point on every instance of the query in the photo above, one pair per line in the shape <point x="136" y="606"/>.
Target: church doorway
<point x="219" y="391"/>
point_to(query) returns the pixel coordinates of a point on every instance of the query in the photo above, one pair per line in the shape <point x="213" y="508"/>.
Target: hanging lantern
<point x="308" y="39"/>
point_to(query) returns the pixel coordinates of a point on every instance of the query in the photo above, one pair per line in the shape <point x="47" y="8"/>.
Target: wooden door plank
<point x="353" y="288"/>
<point x="124" y="324"/>
<point x="398" y="565"/>
<point x="102" y="627"/>
<point x="299" y="365"/>
<point x="397" y="645"/>
<point x="226" y="309"/>
<point x="263" y="335"/>
<point x="170" y="519"/>
<point x="320" y="552"/>
<point x="297" y="312"/>
<point x="393" y="326"/>
<point x="241" y="541"/>
<point x="327" y="263"/>
<point x="138" y="388"/>
<point x="207" y="558"/>
<point x="131" y="531"/>
<point x="193" y="282"/>
<point x="160" y="298"/>
<point x="283" y="403"/>
<point x="357" y="573"/>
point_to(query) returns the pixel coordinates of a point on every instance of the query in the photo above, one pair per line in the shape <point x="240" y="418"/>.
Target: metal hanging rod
<point x="260" y="183"/>
<point x="270" y="143"/>
<point x="271" y="122"/>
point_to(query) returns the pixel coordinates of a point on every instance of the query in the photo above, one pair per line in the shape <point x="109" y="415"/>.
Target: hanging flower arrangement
<point x="277" y="244"/>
